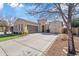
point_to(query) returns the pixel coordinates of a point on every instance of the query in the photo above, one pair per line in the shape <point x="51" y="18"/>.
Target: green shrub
<point x="75" y="23"/>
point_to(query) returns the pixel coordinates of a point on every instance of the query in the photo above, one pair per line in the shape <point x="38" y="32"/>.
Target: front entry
<point x="42" y="28"/>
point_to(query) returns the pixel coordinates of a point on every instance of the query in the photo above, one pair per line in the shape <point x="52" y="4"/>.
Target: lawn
<point x="8" y="37"/>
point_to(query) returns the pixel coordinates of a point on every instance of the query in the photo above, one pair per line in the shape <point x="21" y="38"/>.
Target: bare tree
<point x="3" y="25"/>
<point x="67" y="20"/>
<point x="6" y="23"/>
<point x="10" y="20"/>
<point x="66" y="14"/>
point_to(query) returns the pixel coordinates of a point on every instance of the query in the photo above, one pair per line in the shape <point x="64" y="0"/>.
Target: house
<point x="52" y="27"/>
<point x="25" y="26"/>
<point x="5" y="27"/>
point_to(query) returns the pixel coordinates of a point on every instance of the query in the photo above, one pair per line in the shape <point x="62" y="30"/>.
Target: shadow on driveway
<point x="49" y="33"/>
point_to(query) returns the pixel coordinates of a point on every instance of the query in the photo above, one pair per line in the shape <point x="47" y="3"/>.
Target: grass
<point x="8" y="37"/>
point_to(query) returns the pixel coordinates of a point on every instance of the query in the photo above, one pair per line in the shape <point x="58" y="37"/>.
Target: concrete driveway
<point x="35" y="44"/>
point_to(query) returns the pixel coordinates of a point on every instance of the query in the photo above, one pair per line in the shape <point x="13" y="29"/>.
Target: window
<point x="21" y="27"/>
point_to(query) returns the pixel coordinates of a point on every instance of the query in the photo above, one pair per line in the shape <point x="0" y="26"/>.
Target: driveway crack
<point x="4" y="50"/>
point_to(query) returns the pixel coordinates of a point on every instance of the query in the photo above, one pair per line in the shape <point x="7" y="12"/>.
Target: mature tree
<point x="10" y="20"/>
<point x="66" y="11"/>
<point x="3" y="25"/>
<point x="6" y="23"/>
<point x="68" y="21"/>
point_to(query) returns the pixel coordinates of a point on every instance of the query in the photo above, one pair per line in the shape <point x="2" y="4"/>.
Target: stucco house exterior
<point x="42" y="25"/>
<point x="26" y="26"/>
<point x="52" y="27"/>
<point x="22" y="25"/>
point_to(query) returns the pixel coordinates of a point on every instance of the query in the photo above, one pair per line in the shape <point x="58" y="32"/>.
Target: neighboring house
<point x="75" y="30"/>
<point x="4" y="26"/>
<point x="25" y="26"/>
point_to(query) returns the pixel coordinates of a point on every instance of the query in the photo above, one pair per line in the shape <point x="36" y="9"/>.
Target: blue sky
<point x="19" y="10"/>
<point x="16" y="10"/>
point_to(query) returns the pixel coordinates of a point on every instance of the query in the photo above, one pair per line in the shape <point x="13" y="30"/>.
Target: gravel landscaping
<point x="57" y="47"/>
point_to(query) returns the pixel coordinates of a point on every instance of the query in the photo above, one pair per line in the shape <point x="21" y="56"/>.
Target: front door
<point x="42" y="28"/>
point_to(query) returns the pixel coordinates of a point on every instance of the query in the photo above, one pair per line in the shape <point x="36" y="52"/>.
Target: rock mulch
<point x="57" y="47"/>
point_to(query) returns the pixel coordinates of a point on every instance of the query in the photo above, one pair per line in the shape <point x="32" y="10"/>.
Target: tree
<point x="10" y="20"/>
<point x="3" y="25"/>
<point x="68" y="21"/>
<point x="65" y="11"/>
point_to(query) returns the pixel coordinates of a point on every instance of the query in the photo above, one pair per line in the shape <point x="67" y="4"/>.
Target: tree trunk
<point x="71" y="47"/>
<point x="78" y="31"/>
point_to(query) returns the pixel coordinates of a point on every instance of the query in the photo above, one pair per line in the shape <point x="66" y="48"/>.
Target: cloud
<point x="14" y="5"/>
<point x="21" y="5"/>
<point x="1" y="5"/>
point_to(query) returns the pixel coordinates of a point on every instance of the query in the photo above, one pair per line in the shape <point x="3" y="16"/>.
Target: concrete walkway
<point x="31" y="45"/>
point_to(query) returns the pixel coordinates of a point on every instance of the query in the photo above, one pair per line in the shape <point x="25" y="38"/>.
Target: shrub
<point x="63" y="37"/>
<point x="64" y="31"/>
<point x="75" y="23"/>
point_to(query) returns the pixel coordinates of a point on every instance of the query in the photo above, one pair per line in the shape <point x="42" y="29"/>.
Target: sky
<point x="16" y="10"/>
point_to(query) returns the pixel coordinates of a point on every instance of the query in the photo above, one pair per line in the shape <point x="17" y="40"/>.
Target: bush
<point x="64" y="31"/>
<point x="24" y="33"/>
<point x="75" y="23"/>
<point x="63" y="37"/>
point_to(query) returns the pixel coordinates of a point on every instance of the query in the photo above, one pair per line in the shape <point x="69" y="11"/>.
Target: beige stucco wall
<point x="24" y="24"/>
<point x="55" y="27"/>
<point x="75" y="30"/>
<point x="16" y="26"/>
